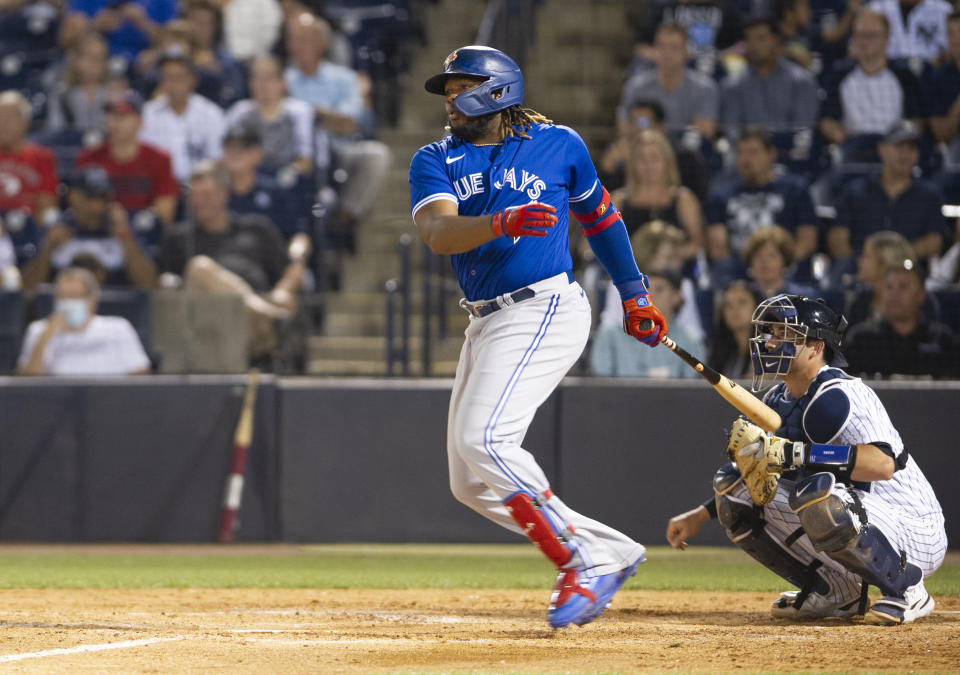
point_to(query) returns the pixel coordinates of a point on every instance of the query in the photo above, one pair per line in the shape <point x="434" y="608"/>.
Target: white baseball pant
<point x="511" y="361"/>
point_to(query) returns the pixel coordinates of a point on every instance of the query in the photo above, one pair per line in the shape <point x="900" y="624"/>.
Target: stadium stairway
<point x="573" y="74"/>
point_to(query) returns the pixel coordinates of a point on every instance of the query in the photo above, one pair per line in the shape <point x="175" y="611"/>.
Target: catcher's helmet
<point x="800" y="318"/>
<point x="502" y="86"/>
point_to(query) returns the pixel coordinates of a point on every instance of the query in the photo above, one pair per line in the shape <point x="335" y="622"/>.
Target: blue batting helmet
<point x="502" y="86"/>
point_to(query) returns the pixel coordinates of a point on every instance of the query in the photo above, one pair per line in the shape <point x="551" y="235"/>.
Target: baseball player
<point x="496" y="194"/>
<point x="832" y="502"/>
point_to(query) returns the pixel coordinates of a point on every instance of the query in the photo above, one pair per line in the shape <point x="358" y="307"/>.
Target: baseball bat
<point x="756" y="410"/>
<point x="238" y="461"/>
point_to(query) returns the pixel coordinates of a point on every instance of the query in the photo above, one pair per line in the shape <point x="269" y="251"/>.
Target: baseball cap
<point x="247" y="134"/>
<point x="127" y="102"/>
<point x="902" y="131"/>
<point x="93" y="181"/>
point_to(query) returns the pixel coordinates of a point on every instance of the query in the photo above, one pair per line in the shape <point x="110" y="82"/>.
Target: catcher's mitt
<point x="758" y="457"/>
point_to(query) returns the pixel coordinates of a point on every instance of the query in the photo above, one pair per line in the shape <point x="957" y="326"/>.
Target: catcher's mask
<point x="783" y="322"/>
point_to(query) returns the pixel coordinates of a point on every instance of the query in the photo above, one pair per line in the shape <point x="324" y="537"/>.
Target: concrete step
<point x="373" y="348"/>
<point x="365" y="368"/>
<point x="374" y="323"/>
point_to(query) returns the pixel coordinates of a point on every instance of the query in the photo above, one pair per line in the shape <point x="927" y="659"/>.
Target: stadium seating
<point x="11" y="329"/>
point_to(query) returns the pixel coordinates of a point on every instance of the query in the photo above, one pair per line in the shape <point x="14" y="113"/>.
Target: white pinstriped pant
<point x="923" y="539"/>
<point x="510" y="363"/>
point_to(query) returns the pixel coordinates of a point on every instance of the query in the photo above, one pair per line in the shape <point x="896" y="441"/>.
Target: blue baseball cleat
<point x="580" y="601"/>
<point x="608" y="585"/>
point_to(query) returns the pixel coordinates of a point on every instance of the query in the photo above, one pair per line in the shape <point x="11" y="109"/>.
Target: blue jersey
<point x="552" y="166"/>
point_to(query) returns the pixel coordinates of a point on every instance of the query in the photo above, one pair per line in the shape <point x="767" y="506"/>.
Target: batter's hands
<point x="643" y="320"/>
<point x="530" y="220"/>
<point x="682" y="527"/>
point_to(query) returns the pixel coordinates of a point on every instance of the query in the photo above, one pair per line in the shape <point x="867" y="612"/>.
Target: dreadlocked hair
<point x="515" y="120"/>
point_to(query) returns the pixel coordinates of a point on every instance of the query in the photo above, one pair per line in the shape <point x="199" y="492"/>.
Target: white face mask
<point x="73" y="309"/>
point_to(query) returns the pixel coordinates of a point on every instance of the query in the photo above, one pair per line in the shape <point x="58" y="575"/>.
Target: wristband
<point x="836" y="459"/>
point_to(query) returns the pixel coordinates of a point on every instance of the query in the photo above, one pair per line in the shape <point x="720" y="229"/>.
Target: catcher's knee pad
<point x="824" y="516"/>
<point x="746" y="528"/>
<point x="862" y="549"/>
<point x="726" y="477"/>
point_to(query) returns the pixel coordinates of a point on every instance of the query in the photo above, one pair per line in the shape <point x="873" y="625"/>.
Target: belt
<point x="485" y="308"/>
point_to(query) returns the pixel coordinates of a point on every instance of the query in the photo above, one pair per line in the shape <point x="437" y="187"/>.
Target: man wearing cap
<point x="141" y="174"/>
<point x="250" y="190"/>
<point x="893" y="200"/>
<point x="95" y="225"/>
<point x="185" y="124"/>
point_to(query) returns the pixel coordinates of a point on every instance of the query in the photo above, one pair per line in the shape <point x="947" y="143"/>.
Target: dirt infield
<point x="257" y="631"/>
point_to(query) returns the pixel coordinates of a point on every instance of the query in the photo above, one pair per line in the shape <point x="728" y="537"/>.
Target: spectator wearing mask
<point x="615" y="354"/>
<point x="219" y="251"/>
<point x="868" y="95"/>
<point x="335" y="94"/>
<point x="771" y="91"/>
<point x="894" y="200"/>
<point x="730" y="343"/>
<point x="97" y="225"/>
<point x="75" y="340"/>
<point x="180" y="121"/>
<point x="78" y="100"/>
<point x="917" y="27"/>
<point x="141" y="174"/>
<point x="768" y="255"/>
<point x="649" y="114"/>
<point x="28" y="172"/>
<point x="689" y="98"/>
<point x="758" y="197"/>
<point x="944" y="92"/>
<point x="902" y="340"/>
<point x="250" y="190"/>
<point x="285" y="124"/>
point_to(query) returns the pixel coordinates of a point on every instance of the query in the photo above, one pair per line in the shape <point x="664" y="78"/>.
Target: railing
<point x="433" y="311"/>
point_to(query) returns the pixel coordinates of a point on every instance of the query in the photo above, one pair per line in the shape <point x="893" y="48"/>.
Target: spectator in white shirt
<point x="185" y="124"/>
<point x="74" y="340"/>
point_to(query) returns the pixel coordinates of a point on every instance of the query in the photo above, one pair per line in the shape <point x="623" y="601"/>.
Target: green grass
<point x="384" y="566"/>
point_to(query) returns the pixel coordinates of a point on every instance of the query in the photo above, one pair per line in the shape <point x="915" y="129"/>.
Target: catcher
<point x="832" y="502"/>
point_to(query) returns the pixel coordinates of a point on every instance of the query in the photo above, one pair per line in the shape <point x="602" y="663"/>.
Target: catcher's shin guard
<point x="745" y="526"/>
<point x="528" y="514"/>
<point x="864" y="550"/>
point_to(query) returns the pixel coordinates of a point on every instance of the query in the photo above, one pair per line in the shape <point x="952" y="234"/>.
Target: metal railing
<point x="433" y="310"/>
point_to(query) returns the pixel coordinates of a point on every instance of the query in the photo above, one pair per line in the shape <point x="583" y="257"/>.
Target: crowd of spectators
<point x="793" y="147"/>
<point x="761" y="146"/>
<point x="225" y="146"/>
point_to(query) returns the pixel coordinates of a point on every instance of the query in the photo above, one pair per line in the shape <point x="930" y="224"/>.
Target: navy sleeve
<point x="716" y="206"/>
<point x="913" y="99"/>
<point x="832" y="107"/>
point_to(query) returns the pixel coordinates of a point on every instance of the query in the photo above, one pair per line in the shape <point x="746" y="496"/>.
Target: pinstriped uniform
<point x="904" y="508"/>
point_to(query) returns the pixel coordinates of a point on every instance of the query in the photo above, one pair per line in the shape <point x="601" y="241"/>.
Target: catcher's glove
<point x="760" y="459"/>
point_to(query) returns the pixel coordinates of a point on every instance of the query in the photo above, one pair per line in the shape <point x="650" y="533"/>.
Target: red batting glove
<point x="530" y="220"/>
<point x="643" y="320"/>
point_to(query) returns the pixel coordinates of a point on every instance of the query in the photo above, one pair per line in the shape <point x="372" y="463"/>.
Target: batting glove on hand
<point x="642" y="319"/>
<point x="530" y="220"/>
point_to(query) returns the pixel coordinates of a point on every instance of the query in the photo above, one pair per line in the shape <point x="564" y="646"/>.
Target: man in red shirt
<point x="28" y="172"/>
<point x="141" y="174"/>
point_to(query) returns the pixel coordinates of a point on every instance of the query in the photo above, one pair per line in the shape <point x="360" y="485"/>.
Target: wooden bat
<point x="238" y="461"/>
<point x="756" y="410"/>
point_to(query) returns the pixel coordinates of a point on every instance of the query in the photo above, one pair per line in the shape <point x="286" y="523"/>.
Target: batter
<point x="495" y="195"/>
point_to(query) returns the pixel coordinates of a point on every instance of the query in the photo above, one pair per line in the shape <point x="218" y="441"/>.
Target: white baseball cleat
<point x="814" y="606"/>
<point x="890" y="611"/>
